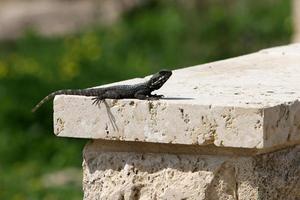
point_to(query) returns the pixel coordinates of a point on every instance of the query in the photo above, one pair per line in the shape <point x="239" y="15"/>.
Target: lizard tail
<point x="47" y="98"/>
<point x="86" y="92"/>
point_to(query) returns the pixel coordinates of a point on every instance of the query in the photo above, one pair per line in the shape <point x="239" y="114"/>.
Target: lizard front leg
<point x="143" y="96"/>
<point x="140" y="96"/>
<point x="156" y="96"/>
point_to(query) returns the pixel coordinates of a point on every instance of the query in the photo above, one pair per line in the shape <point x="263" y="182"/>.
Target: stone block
<point x="116" y="170"/>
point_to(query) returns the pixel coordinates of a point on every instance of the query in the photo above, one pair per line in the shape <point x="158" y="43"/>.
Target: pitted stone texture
<point x="130" y="175"/>
<point x="161" y="122"/>
<point x="249" y="102"/>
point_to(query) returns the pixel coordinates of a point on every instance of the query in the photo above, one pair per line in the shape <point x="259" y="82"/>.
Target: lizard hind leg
<point x="97" y="101"/>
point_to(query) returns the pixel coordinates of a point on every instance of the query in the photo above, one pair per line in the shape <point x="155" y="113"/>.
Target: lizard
<point x="140" y="91"/>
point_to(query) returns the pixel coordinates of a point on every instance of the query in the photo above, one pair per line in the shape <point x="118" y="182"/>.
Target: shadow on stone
<point x="177" y="98"/>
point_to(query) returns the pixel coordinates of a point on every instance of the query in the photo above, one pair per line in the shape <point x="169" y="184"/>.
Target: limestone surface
<point x="128" y="175"/>
<point x="251" y="101"/>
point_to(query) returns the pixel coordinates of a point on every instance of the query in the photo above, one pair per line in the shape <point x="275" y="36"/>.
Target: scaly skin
<point x="137" y="91"/>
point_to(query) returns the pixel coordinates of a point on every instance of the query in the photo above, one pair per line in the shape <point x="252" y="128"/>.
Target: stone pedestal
<point x="225" y="130"/>
<point x="117" y="170"/>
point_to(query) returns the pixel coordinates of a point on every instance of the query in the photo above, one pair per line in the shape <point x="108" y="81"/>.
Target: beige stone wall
<point x="110" y="174"/>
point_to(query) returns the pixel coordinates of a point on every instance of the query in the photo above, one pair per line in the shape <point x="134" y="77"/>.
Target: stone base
<point x="114" y="171"/>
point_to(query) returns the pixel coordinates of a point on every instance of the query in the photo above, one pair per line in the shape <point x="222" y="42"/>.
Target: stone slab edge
<point x="169" y="121"/>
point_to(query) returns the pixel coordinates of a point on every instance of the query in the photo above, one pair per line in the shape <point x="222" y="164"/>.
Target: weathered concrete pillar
<point x="225" y="130"/>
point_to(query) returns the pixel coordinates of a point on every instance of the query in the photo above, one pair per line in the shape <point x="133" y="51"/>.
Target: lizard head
<point x="158" y="79"/>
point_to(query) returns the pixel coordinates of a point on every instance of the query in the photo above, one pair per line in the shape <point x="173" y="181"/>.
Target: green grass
<point x="159" y="35"/>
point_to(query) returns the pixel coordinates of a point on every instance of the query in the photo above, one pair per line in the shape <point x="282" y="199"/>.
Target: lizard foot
<point x="97" y="101"/>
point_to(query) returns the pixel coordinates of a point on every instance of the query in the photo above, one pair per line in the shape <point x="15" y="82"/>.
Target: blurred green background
<point x="160" y="34"/>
